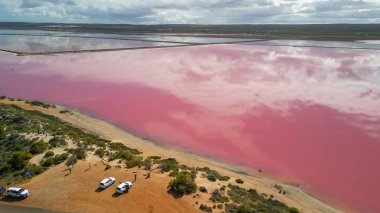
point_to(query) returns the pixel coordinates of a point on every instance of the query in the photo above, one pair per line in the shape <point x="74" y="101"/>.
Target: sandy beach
<point x="56" y="190"/>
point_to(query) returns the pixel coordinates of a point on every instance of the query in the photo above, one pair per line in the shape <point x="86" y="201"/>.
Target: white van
<point x="106" y="182"/>
<point x="123" y="187"/>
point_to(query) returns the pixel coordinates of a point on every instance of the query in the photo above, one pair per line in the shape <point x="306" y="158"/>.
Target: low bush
<point x="39" y="103"/>
<point x="38" y="147"/>
<point x="154" y="157"/>
<point x="19" y="160"/>
<point x="117" y="146"/>
<point x="205" y="208"/>
<point x="65" y="111"/>
<point x="49" y="154"/>
<point x="239" y="181"/>
<point x="203" y="189"/>
<point x="123" y="155"/>
<point x="57" y="142"/>
<point x="213" y="175"/>
<point x="135" y="161"/>
<point x="218" y="197"/>
<point x="54" y="160"/>
<point x="34" y="170"/>
<point x="100" y="152"/>
<point x="148" y="163"/>
<point x="167" y="164"/>
<point x="293" y="210"/>
<point x="182" y="184"/>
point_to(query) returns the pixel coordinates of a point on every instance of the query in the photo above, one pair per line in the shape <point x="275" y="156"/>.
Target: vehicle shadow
<point x="115" y="194"/>
<point x="99" y="189"/>
<point x="9" y="199"/>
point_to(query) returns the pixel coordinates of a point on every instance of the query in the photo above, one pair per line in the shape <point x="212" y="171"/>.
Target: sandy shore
<point x="74" y="192"/>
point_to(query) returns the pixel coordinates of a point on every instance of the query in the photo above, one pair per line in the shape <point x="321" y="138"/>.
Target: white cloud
<point x="192" y="11"/>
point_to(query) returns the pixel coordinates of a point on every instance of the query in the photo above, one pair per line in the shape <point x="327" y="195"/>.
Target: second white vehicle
<point x="123" y="187"/>
<point x="106" y="182"/>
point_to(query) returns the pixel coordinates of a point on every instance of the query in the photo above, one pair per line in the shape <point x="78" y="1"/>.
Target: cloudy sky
<point x="191" y="11"/>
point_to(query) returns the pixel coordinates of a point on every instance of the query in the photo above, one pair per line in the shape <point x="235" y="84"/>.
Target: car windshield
<point x="20" y="190"/>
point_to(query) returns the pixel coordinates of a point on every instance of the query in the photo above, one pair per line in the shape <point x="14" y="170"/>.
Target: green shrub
<point x="39" y="103"/>
<point x="249" y="200"/>
<point x="2" y="132"/>
<point x="117" y="146"/>
<point x="49" y="154"/>
<point x="135" y="161"/>
<point x="148" y="163"/>
<point x="80" y="153"/>
<point x="217" y="197"/>
<point x="205" y="208"/>
<point x="65" y="111"/>
<point x="203" y="189"/>
<point x="19" y="160"/>
<point x="182" y="184"/>
<point x="60" y="158"/>
<point x="239" y="181"/>
<point x="167" y="164"/>
<point x="34" y="169"/>
<point x="100" y="152"/>
<point x="47" y="162"/>
<point x="224" y="178"/>
<point x="38" y="147"/>
<point x="123" y="155"/>
<point x="57" y="142"/>
<point x="174" y="172"/>
<point x="212" y="175"/>
<point x="54" y="160"/>
<point x="293" y="210"/>
<point x="154" y="157"/>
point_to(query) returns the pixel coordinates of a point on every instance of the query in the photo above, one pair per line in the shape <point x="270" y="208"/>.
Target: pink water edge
<point x="308" y="115"/>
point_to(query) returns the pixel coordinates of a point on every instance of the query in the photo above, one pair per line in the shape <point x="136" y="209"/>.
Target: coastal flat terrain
<point x="73" y="192"/>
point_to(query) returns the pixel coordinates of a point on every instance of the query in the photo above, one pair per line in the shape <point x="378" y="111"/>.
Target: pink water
<point x="307" y="115"/>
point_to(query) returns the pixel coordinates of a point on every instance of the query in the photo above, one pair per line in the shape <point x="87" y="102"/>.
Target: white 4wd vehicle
<point x="106" y="182"/>
<point x="123" y="187"/>
<point x="17" y="192"/>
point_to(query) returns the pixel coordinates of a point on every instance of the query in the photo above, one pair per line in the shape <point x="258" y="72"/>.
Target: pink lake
<point x="307" y="115"/>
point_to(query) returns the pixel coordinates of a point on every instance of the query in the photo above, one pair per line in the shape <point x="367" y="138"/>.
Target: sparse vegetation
<point x="239" y="181"/>
<point x="100" y="152"/>
<point x="49" y="154"/>
<point x="182" y="184"/>
<point x="167" y="164"/>
<point x="218" y="197"/>
<point x="213" y="175"/>
<point x="57" y="142"/>
<point x="203" y="189"/>
<point x="250" y="201"/>
<point x="57" y="159"/>
<point x="38" y="147"/>
<point x="39" y="103"/>
<point x="148" y="163"/>
<point x="19" y="160"/>
<point x="205" y="208"/>
<point x="65" y="111"/>
<point x="135" y="161"/>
